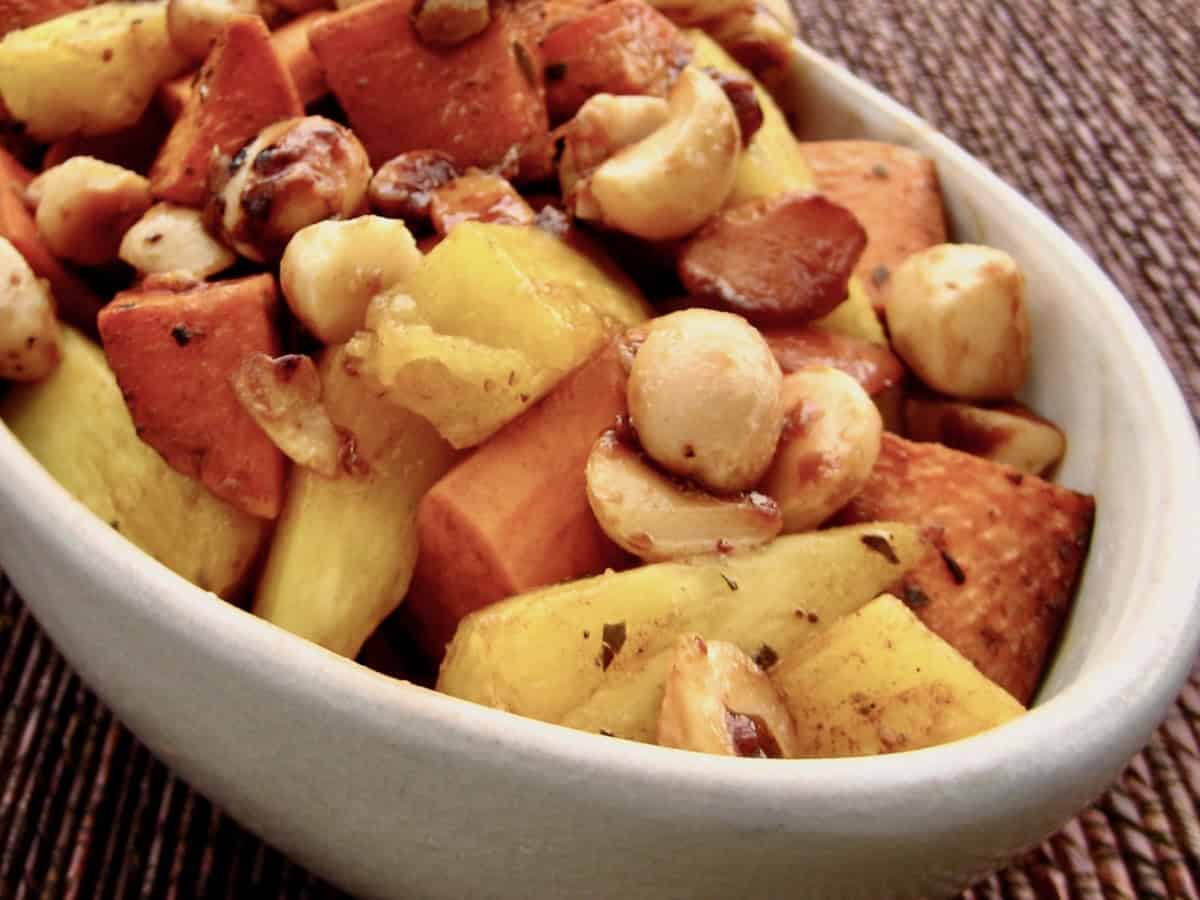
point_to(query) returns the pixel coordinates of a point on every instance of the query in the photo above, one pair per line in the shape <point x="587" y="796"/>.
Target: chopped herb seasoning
<point x="766" y="657"/>
<point x="1015" y="477"/>
<point x="813" y="618"/>
<point x="182" y="334"/>
<point x="956" y="571"/>
<point x="556" y="71"/>
<point x="612" y="639"/>
<point x="606" y="732"/>
<point x="914" y="597"/>
<point x="879" y="170"/>
<point x="880" y="275"/>
<point x="733" y="585"/>
<point x="882" y="546"/>
<point x="586" y="634"/>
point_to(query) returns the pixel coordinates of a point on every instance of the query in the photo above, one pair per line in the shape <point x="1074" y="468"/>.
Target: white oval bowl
<point x="391" y="790"/>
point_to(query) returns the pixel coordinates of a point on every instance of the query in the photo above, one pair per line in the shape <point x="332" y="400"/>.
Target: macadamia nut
<point x="85" y="206"/>
<point x="957" y="317"/>
<point x="296" y="172"/>
<point x="830" y="442"/>
<point x="704" y="396"/>
<point x="29" y="335"/>
<point x="331" y="271"/>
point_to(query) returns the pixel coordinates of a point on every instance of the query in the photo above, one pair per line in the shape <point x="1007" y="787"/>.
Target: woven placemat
<point x="1092" y="110"/>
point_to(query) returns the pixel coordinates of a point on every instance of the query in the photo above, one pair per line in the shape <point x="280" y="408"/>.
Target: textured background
<point x="1093" y="110"/>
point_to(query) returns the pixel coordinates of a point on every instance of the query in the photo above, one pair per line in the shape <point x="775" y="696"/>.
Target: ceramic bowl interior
<point x="392" y="790"/>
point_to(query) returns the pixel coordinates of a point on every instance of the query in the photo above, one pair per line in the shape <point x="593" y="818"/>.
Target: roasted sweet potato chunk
<point x="242" y="88"/>
<point x="474" y="101"/>
<point x="173" y="348"/>
<point x="514" y="516"/>
<point x="874" y="367"/>
<point x="1010" y="550"/>
<point x="623" y="47"/>
<point x="894" y="193"/>
<point x="782" y="260"/>
<point x="478" y="197"/>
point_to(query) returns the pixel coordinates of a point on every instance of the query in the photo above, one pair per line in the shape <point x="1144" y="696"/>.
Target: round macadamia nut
<point x="704" y="397"/>
<point x="957" y="316"/>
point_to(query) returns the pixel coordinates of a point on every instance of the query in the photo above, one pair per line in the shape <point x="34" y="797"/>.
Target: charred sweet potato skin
<point x="782" y="260"/>
<point x="514" y="516"/>
<point x="623" y="47"/>
<point x="173" y="349"/>
<point x="1010" y="551"/>
<point x="894" y="193"/>
<point x="474" y="101"/>
<point x="242" y="88"/>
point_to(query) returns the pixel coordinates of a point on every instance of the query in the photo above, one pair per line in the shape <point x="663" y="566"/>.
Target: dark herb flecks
<point x="733" y="585"/>
<point x="766" y="657"/>
<point x="914" y="597"/>
<point x="612" y="639"/>
<point x="882" y="546"/>
<point x="955" y="570"/>
<point x="182" y="334"/>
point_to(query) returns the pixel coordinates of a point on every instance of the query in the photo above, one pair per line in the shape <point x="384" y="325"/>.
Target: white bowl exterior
<point x="392" y="790"/>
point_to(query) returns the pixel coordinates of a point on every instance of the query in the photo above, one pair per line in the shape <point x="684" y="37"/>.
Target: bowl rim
<point x="1078" y="719"/>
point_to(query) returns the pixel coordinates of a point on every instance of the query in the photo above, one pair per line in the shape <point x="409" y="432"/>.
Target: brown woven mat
<point x="1093" y="110"/>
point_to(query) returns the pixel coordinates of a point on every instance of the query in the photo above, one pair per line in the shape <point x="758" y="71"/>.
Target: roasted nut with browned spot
<point x="657" y="518"/>
<point x="829" y="446"/>
<point x="195" y="24"/>
<point x="478" y="197"/>
<point x="283" y="396"/>
<point x="605" y="125"/>
<point x="718" y="700"/>
<point x="296" y="172"/>
<point x="404" y="185"/>
<point x="957" y="316"/>
<point x="445" y="23"/>
<point x="170" y="238"/>
<point x="780" y="260"/>
<point x="1010" y="433"/>
<point x="85" y="206"/>
<point x="331" y="270"/>
<point x="29" y="335"/>
<point x="704" y="395"/>
<point x="669" y="183"/>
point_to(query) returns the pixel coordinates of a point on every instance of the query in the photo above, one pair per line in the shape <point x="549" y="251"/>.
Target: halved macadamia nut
<point x="170" y="238"/>
<point x="781" y="260"/>
<point x="1010" y="433"/>
<point x="705" y="398"/>
<point x="957" y="316"/>
<point x="829" y="446"/>
<point x="656" y="518"/>
<point x="283" y="396"/>
<point x="331" y="270"/>
<point x="718" y="700"/>
<point x="605" y="125"/>
<point x="85" y="206"/>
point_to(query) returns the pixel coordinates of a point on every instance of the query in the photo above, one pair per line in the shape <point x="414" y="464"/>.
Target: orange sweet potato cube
<point x="473" y="101"/>
<point x="893" y="191"/>
<point x="514" y="515"/>
<point x="290" y="42"/>
<point x="242" y="88"/>
<point x="75" y="302"/>
<point x="1010" y="548"/>
<point x="173" y="348"/>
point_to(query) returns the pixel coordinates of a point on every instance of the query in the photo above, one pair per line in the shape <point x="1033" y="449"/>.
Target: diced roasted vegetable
<point x="241" y="89"/>
<point x="878" y="681"/>
<point x="477" y="197"/>
<point x="1011" y="548"/>
<point x="491" y="320"/>
<point x="75" y="423"/>
<point x="595" y="654"/>
<point x="486" y="526"/>
<point x="892" y="191"/>
<point x="1010" y="433"/>
<point x="402" y="94"/>
<point x="88" y="72"/>
<point x="344" y="548"/>
<point x="29" y="333"/>
<point x="173" y="349"/>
